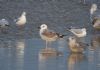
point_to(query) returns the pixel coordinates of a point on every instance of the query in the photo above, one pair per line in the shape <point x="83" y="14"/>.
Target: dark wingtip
<point x="61" y="36"/>
<point x="7" y="25"/>
<point x="38" y="27"/>
<point x="69" y="28"/>
<point x="94" y="20"/>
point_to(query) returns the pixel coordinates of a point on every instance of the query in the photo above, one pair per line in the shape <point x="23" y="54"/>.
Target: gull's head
<point x="24" y="13"/>
<point x="72" y="39"/>
<point x="43" y="26"/>
<point x="93" y="8"/>
<point x="84" y="29"/>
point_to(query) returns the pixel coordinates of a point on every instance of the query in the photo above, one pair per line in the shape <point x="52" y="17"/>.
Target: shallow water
<point x="20" y="49"/>
<point x="25" y="54"/>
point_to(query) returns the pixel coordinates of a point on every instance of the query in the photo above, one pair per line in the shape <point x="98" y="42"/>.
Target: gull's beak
<point x="67" y="29"/>
<point x="38" y="27"/>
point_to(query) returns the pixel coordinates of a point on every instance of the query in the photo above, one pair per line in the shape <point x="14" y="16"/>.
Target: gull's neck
<point x="93" y="9"/>
<point x="72" y="43"/>
<point x="84" y="32"/>
<point x="42" y="30"/>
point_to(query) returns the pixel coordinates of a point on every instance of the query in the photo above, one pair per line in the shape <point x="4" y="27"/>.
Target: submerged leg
<point x="49" y="44"/>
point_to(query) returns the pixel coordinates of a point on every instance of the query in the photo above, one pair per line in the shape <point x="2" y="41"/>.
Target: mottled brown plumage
<point x="48" y="35"/>
<point x="96" y="23"/>
<point x="76" y="46"/>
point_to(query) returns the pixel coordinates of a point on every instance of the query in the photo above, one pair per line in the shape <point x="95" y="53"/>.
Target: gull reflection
<point x="47" y="53"/>
<point x="95" y="42"/>
<point x="47" y="59"/>
<point x="20" y="45"/>
<point x="94" y="52"/>
<point x="76" y="46"/>
<point x="74" y="60"/>
<point x="91" y="60"/>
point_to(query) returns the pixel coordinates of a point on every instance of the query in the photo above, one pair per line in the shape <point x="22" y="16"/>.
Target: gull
<point x="48" y="35"/>
<point x="79" y="32"/>
<point x="76" y="46"/>
<point x="21" y="20"/>
<point x="93" y="9"/>
<point x="95" y="16"/>
<point x="4" y="22"/>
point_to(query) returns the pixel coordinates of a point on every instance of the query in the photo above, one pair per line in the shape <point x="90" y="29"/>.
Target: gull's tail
<point x="69" y="28"/>
<point x="60" y="36"/>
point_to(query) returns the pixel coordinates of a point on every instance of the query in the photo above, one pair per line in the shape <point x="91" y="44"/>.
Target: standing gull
<point x="79" y="32"/>
<point x="48" y="35"/>
<point x="95" y="16"/>
<point x="21" y="20"/>
<point x="93" y="9"/>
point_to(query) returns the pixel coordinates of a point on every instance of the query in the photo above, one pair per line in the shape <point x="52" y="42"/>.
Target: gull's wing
<point x="4" y="22"/>
<point x="77" y="31"/>
<point x="96" y="21"/>
<point x="83" y="45"/>
<point x="49" y="34"/>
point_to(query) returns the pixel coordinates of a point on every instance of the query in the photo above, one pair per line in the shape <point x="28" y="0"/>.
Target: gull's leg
<point x="46" y="44"/>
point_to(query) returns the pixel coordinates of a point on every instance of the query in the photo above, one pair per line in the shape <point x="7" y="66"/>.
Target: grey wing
<point x="6" y="22"/>
<point x="0" y="22"/>
<point x="83" y="45"/>
<point x="96" y="14"/>
<point x="3" y="22"/>
<point x="15" y="20"/>
<point x="52" y="31"/>
<point x="78" y="31"/>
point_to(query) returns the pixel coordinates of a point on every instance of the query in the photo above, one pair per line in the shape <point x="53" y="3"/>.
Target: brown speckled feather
<point x="49" y="34"/>
<point x="94" y="20"/>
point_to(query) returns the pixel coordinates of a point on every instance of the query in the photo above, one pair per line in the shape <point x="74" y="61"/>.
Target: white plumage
<point x="79" y="32"/>
<point x="22" y="19"/>
<point x="48" y="35"/>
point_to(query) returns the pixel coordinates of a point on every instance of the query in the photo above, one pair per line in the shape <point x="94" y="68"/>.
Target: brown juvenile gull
<point x="48" y="35"/>
<point x="76" y="46"/>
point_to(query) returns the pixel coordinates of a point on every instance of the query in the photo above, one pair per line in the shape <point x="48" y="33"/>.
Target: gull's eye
<point x="43" y="26"/>
<point x="72" y="38"/>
